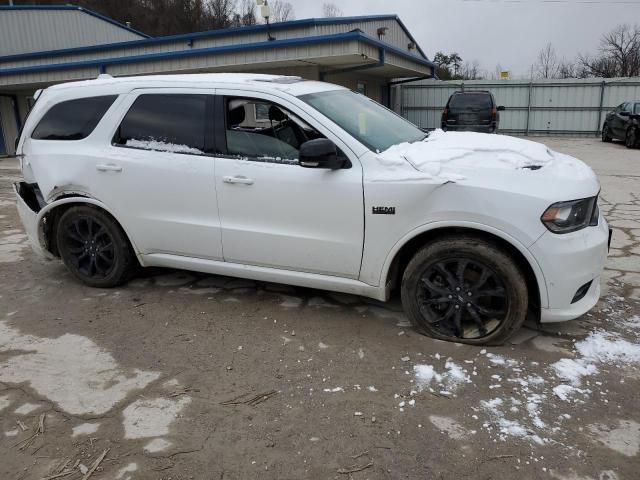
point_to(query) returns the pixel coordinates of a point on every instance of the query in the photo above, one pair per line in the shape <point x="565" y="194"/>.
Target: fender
<point x="535" y="266"/>
<point x="79" y="199"/>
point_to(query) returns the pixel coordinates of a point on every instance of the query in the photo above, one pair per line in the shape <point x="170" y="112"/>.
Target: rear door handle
<point x="108" y="168"/>
<point x="238" y="179"/>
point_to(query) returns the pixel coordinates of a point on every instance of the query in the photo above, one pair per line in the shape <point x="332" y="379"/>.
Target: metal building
<point x="369" y="54"/>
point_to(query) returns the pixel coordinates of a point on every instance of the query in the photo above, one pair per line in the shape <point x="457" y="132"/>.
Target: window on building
<point x="73" y="119"/>
<point x="165" y="122"/>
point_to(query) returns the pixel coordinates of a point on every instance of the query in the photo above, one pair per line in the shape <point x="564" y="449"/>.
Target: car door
<point x="157" y="172"/>
<point x="273" y="212"/>
<point x="618" y="121"/>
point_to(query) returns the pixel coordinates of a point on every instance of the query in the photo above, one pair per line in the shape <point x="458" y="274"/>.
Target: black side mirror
<point x="625" y="114"/>
<point x="320" y="153"/>
<point x="501" y="108"/>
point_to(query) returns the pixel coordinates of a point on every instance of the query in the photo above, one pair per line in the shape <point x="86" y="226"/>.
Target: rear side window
<point x="73" y="119"/>
<point x="165" y="122"/>
<point x="471" y="100"/>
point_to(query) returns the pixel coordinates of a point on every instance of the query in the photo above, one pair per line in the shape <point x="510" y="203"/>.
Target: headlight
<point x="565" y="217"/>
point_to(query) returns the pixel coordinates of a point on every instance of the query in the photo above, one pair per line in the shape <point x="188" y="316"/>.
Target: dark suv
<point x="475" y="111"/>
<point x="623" y="123"/>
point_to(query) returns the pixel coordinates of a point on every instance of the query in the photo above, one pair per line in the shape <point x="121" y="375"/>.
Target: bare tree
<point x="331" y="10"/>
<point x="246" y="13"/>
<point x="470" y="71"/>
<point x="547" y="65"/>
<point x="222" y="13"/>
<point x="618" y="56"/>
<point x="281" y="11"/>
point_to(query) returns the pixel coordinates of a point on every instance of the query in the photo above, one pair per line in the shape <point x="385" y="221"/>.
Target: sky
<point x="506" y="32"/>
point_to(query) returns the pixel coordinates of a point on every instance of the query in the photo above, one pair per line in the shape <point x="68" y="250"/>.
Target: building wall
<point x="545" y="107"/>
<point x="23" y="31"/>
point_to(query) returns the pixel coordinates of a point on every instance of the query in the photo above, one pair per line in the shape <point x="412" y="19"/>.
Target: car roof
<point x="466" y="92"/>
<point x="106" y="84"/>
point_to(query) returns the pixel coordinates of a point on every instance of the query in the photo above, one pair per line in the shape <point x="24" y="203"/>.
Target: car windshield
<point x="373" y="125"/>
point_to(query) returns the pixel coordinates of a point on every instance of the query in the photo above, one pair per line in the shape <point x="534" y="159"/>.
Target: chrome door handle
<point x="238" y="179"/>
<point x="108" y="168"/>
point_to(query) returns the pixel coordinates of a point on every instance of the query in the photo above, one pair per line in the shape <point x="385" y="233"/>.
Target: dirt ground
<point x="185" y="376"/>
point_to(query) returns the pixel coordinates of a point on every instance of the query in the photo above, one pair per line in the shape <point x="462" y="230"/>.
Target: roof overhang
<point x="342" y="51"/>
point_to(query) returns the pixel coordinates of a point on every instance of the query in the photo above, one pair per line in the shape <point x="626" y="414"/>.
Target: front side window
<point x="370" y="123"/>
<point x="73" y="119"/>
<point x="165" y="122"/>
<point x="261" y="130"/>
<point x="637" y="109"/>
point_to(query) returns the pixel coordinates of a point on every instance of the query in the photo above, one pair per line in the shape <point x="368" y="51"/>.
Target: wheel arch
<point x="48" y="217"/>
<point x="404" y="250"/>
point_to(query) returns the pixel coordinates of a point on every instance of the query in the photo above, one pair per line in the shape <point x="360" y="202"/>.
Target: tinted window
<point x="637" y="110"/>
<point x="471" y="100"/>
<point x="262" y="130"/>
<point x="73" y="119"/>
<point x="174" y="123"/>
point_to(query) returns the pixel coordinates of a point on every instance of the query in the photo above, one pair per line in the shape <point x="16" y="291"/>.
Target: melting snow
<point x="85" y="429"/>
<point x="442" y="154"/>
<point x="451" y="378"/>
<point x="70" y="370"/>
<point x="151" y="418"/>
<point x="162" y="146"/>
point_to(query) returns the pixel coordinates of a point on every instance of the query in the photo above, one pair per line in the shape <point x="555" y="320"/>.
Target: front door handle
<point x="238" y="179"/>
<point x="108" y="168"/>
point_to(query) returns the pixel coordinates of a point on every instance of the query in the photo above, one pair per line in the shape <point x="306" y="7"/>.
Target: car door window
<point x="165" y="122"/>
<point x="264" y="131"/>
<point x="636" y="111"/>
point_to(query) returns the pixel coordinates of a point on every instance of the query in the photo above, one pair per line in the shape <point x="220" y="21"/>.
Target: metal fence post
<point x="602" y="87"/>
<point x="526" y="132"/>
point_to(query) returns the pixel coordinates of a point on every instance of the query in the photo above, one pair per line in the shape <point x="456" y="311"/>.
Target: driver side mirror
<point x="320" y="153"/>
<point x="501" y="108"/>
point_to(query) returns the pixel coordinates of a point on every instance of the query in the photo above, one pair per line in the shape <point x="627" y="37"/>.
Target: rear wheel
<point x="464" y="289"/>
<point x="93" y="247"/>
<point x="631" y="139"/>
<point x="606" y="134"/>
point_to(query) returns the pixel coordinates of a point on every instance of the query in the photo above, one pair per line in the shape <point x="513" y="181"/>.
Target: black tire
<point x="443" y="304"/>
<point x="94" y="247"/>
<point x="631" y="138"/>
<point x="606" y="137"/>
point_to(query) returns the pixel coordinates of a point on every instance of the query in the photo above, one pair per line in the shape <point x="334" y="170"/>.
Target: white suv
<point x="285" y="180"/>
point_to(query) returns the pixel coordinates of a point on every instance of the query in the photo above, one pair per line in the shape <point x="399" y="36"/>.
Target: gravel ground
<point x="179" y="375"/>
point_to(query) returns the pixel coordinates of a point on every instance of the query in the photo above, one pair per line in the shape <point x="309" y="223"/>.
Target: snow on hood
<point x="448" y="156"/>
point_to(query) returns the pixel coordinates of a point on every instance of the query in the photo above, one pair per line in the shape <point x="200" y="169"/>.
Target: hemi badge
<point x="384" y="210"/>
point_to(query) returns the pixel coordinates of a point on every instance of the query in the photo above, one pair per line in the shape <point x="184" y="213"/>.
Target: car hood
<point x="487" y="161"/>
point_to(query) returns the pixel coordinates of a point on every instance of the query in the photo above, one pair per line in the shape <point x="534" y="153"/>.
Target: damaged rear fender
<point x="35" y="221"/>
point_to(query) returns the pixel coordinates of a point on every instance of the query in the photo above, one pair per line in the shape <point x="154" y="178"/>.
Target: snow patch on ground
<point x="13" y="244"/>
<point x="27" y="408"/>
<point x="624" y="439"/>
<point x="4" y="402"/>
<point x="157" y="445"/>
<point x="449" y="426"/>
<point x="448" y="381"/>
<point x="85" y="429"/>
<point x="122" y="473"/>
<point x="70" y="370"/>
<point x="152" y="418"/>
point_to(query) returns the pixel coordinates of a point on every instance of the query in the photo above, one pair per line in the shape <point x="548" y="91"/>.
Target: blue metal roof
<point x="102" y="63"/>
<point x="69" y="7"/>
<point x="206" y="34"/>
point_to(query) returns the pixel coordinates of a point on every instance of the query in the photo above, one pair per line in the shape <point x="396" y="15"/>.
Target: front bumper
<point x="568" y="262"/>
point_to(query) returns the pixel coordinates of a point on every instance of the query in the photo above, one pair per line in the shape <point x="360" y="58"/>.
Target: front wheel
<point x="606" y="134"/>
<point x="631" y="139"/>
<point x="93" y="247"/>
<point x="464" y="289"/>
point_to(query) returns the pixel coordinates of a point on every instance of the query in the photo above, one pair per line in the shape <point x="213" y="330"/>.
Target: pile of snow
<point x="442" y="154"/>
<point x="511" y="428"/>
<point x="598" y="348"/>
<point x="161" y="146"/>
<point x="448" y="381"/>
